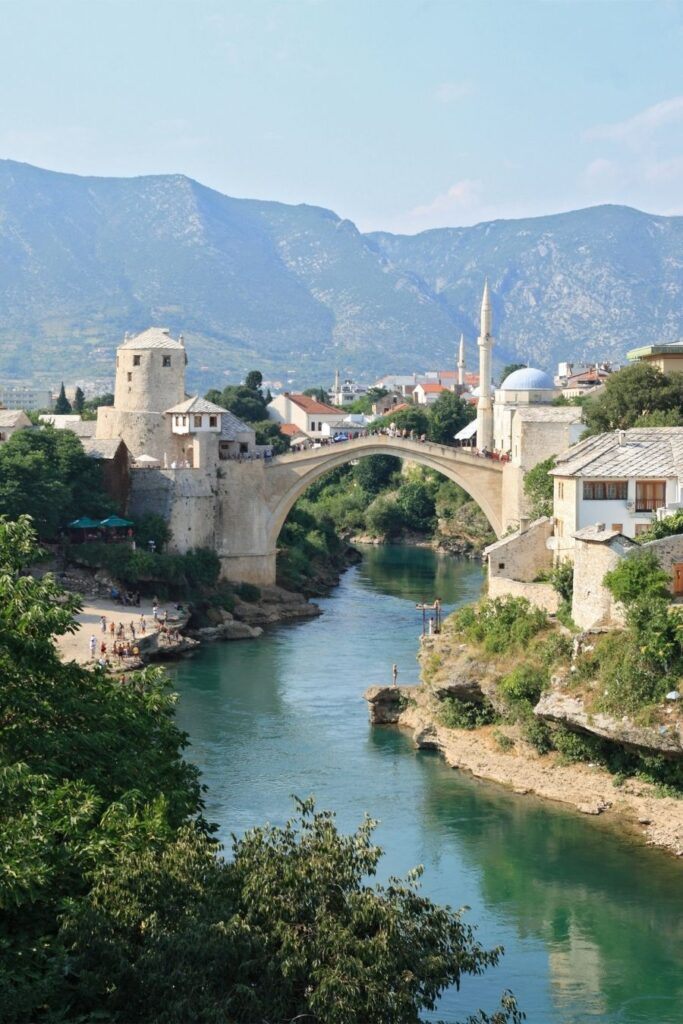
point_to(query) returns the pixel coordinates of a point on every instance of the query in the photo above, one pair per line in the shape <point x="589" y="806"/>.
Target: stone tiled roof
<point x="231" y="426"/>
<point x="649" y="452"/>
<point x="549" y="413"/>
<point x="10" y="417"/>
<point x="101" y="448"/>
<point x="153" y="337"/>
<point x="196" y="405"/>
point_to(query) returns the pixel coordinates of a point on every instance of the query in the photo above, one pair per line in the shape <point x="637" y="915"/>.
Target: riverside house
<point x="308" y="414"/>
<point x="622" y="480"/>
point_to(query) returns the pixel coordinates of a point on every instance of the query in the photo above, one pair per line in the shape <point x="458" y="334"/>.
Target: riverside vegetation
<point x="621" y="672"/>
<point x="116" y="903"/>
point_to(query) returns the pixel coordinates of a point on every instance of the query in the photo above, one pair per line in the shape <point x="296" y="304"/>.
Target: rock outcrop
<point x="555" y="706"/>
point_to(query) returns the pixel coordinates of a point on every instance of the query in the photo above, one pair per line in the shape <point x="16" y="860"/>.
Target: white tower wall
<point x="485" y="403"/>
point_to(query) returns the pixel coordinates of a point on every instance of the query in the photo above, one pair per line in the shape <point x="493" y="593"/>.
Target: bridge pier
<point x="249" y="568"/>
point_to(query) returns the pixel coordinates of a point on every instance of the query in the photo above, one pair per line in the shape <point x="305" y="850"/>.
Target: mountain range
<point x="297" y="291"/>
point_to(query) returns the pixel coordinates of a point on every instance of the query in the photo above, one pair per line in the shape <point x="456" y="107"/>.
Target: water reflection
<point x="590" y="922"/>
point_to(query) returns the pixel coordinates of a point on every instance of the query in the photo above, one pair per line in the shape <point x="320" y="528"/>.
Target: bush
<point x="524" y="685"/>
<point x="384" y="518"/>
<point x="537" y="733"/>
<point x="505" y="743"/>
<point x="464" y="714"/>
<point x="500" y="624"/>
<point x="638" y="577"/>
<point x="152" y="527"/>
<point x="574" y="747"/>
<point x="248" y="592"/>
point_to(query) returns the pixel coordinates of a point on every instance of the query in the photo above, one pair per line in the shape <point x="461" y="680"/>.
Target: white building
<point x="312" y="417"/>
<point x="621" y="480"/>
<point x="346" y="392"/>
<point x="25" y="396"/>
<point x="427" y="394"/>
<point x="519" y="390"/>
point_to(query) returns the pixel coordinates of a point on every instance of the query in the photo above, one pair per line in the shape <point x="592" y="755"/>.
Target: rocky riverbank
<point x="499" y="752"/>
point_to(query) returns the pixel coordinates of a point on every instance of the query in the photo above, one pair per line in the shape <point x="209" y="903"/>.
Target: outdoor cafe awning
<point x="84" y="523"/>
<point x="115" y="521"/>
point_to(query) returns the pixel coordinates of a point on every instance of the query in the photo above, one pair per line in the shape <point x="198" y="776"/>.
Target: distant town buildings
<point x="313" y="418"/>
<point x="25" y="396"/>
<point x="12" y="420"/>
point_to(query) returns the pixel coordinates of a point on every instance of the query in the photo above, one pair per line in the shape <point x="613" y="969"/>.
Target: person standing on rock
<point x="394" y="675"/>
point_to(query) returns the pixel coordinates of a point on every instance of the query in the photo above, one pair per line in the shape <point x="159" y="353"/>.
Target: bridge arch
<point x="292" y="474"/>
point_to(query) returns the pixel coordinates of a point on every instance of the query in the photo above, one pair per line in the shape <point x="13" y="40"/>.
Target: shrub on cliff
<point x="499" y="624"/>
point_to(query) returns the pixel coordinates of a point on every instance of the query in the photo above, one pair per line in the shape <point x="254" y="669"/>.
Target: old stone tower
<point x="150" y="379"/>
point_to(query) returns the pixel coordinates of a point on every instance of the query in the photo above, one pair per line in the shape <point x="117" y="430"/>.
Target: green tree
<point x="79" y="401"/>
<point x="667" y="527"/>
<point x="538" y="487"/>
<point x="414" y="418"/>
<point x="376" y="472"/>
<point x="214" y="395"/>
<point x="319" y="394"/>
<point x="447" y="416"/>
<point x="46" y="474"/>
<point x="384" y="518"/>
<point x="254" y="380"/>
<point x="415" y="499"/>
<point x="62" y="405"/>
<point x="268" y="432"/>
<point x="640" y="394"/>
<point x="244" y="403"/>
<point x="510" y="368"/>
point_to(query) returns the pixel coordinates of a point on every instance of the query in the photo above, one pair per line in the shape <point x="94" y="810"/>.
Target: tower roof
<point x="154" y="337"/>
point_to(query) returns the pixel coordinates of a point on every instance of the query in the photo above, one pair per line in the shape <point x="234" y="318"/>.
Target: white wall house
<point x="427" y="393"/>
<point x="623" y="480"/>
<point x="314" y="418"/>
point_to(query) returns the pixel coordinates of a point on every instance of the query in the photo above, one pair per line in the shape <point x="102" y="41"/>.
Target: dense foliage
<point x="640" y="395"/>
<point x="660" y="528"/>
<point x="115" y="904"/>
<point x="499" y="624"/>
<point x="165" y="574"/>
<point x="46" y="474"/>
<point x="538" y="487"/>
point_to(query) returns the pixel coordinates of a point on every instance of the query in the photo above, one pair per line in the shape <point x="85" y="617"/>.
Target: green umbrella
<point x="116" y="521"/>
<point x="84" y="523"/>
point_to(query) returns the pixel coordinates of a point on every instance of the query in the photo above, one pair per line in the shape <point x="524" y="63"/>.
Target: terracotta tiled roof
<point x="312" y="405"/>
<point x="290" y="429"/>
<point x="432" y="389"/>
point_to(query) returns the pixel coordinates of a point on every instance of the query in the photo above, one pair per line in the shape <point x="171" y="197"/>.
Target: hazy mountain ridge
<point x="296" y="288"/>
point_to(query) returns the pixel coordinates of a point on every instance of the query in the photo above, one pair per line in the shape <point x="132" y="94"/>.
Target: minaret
<point x="485" y="405"/>
<point x="337" y="387"/>
<point x="461" y="362"/>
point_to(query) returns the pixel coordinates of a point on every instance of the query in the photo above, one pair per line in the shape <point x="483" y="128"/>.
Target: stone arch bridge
<point x="240" y="508"/>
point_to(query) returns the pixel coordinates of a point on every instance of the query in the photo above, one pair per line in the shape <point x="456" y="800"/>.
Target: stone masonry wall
<point x="542" y="595"/>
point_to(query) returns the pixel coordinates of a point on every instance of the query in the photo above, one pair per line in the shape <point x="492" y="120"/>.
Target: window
<point x="559" y="527"/>
<point x="136" y="360"/>
<point x="177" y="421"/>
<point x="129" y="376"/>
<point x="213" y="421"/>
<point x="560" y="488"/>
<point x="605" y="490"/>
<point x="619" y="527"/>
<point x="197" y="421"/>
<point x="184" y="421"/>
<point x="165" y="360"/>
<point x="501" y="565"/>
<point x="650" y="494"/>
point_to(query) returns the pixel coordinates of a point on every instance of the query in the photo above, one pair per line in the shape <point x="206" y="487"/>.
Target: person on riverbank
<point x="103" y="623"/>
<point x="92" y="644"/>
<point x="394" y="675"/>
<point x="143" y="625"/>
<point x="155" y="612"/>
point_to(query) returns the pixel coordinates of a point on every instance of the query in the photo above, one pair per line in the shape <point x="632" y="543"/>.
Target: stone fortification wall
<point x="669" y="551"/>
<point x="145" y="433"/>
<point x="542" y="595"/>
<point x="186" y="498"/>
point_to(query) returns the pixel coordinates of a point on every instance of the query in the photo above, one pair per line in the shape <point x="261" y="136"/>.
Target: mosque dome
<point x="528" y="379"/>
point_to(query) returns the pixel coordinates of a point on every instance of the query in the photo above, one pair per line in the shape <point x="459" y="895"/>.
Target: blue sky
<point x="398" y="114"/>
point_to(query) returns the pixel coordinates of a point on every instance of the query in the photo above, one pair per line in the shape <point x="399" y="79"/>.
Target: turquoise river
<point x="591" y="920"/>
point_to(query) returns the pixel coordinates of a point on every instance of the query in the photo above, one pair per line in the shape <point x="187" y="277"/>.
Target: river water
<point x="591" y="921"/>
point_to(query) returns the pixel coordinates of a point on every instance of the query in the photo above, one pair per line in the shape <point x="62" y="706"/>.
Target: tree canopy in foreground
<point x="116" y="904"/>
